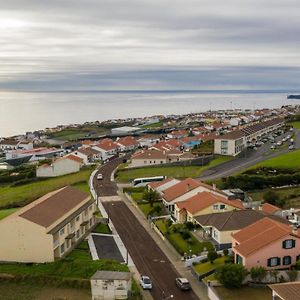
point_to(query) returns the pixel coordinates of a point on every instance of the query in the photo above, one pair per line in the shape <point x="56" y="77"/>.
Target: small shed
<point x="110" y="285"/>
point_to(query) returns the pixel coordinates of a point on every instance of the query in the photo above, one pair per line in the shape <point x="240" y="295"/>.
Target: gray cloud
<point x="190" y="44"/>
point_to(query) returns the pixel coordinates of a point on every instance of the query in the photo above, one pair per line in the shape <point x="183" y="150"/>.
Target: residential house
<point x="160" y="186"/>
<point x="167" y="145"/>
<point x="107" y="148"/>
<point x="190" y="142"/>
<point x="25" y="145"/>
<point x="8" y="145"/>
<point x="220" y="226"/>
<point x="110" y="285"/>
<point x="266" y="243"/>
<point x="148" y="141"/>
<point x="127" y="143"/>
<point x="285" y="290"/>
<point x="47" y="228"/>
<point x="61" y="166"/>
<point x="184" y="190"/>
<point x="88" y="154"/>
<point x="204" y="203"/>
<point x="177" y="134"/>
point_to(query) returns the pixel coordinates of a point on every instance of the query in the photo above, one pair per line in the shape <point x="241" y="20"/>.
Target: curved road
<point x="146" y="254"/>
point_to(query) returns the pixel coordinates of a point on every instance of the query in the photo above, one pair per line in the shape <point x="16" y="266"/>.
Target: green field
<point x="126" y="175"/>
<point x="21" y="195"/>
<point x="76" y="133"/>
<point x="295" y="124"/>
<point x="202" y="268"/>
<point x="27" y="291"/>
<point x="154" y="125"/>
<point x="102" y="228"/>
<point x="6" y="212"/>
<point x="290" y="160"/>
<point x="244" y="293"/>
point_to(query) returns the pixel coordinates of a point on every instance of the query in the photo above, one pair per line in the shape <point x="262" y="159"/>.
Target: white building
<point x="124" y="130"/>
<point x="62" y="166"/>
<point x="109" y="285"/>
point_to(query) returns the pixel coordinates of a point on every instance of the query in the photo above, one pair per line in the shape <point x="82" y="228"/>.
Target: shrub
<point x="258" y="273"/>
<point x="298" y="265"/>
<point x="231" y="275"/>
<point x="211" y="256"/>
<point x="292" y="274"/>
<point x="185" y="235"/>
<point x="225" y="252"/>
<point x="190" y="225"/>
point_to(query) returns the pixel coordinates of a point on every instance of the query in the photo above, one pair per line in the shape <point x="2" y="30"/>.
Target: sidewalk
<point x="198" y="287"/>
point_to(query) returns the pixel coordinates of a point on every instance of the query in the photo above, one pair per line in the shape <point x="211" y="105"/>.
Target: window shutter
<point x="293" y="243"/>
<point x="269" y="262"/>
<point x="283" y="245"/>
<point x="278" y="261"/>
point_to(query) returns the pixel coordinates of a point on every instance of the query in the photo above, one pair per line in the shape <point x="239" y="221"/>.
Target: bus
<point x="144" y="181"/>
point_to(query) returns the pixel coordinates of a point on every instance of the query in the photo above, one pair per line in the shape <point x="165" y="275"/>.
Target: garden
<point x="179" y="235"/>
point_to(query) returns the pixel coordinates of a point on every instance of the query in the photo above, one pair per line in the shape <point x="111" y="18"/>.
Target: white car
<point x="99" y="176"/>
<point x="145" y="283"/>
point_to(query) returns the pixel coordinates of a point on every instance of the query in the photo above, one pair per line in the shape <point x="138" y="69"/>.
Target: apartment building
<point x="236" y="141"/>
<point x="48" y="228"/>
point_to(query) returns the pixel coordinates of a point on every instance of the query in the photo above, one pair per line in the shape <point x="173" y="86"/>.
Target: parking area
<point x="106" y="247"/>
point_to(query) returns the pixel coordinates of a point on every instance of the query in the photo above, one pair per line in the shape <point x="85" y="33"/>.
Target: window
<point x="62" y="248"/>
<point x="273" y="262"/>
<point x="298" y="257"/>
<point x="77" y="234"/>
<point x="286" y="260"/>
<point x="288" y="244"/>
<point x="62" y="231"/>
<point x="77" y="218"/>
<point x="215" y="206"/>
<point x="222" y="206"/>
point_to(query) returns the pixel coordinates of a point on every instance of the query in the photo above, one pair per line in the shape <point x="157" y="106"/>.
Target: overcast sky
<point x="155" y="44"/>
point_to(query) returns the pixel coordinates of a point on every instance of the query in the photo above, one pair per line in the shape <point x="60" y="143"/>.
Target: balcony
<point x="55" y="243"/>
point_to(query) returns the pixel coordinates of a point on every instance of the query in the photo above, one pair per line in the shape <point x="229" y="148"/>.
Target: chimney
<point x="214" y="186"/>
<point x="188" y="187"/>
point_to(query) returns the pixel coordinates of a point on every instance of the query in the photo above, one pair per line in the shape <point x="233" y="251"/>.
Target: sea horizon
<point x="23" y="111"/>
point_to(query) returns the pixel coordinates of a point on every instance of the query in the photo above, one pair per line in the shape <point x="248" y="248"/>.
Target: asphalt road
<point x="147" y="256"/>
<point x="249" y="158"/>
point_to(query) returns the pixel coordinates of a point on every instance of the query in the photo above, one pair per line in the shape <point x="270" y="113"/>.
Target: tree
<point x="271" y="197"/>
<point x="211" y="256"/>
<point x="258" y="273"/>
<point x="151" y="196"/>
<point x="231" y="275"/>
<point x="225" y="252"/>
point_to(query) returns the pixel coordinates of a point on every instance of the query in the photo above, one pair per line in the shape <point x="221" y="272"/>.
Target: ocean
<point x="28" y="111"/>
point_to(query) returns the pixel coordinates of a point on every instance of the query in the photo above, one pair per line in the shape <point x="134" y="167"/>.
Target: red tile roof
<point x="127" y="141"/>
<point x="155" y="185"/>
<point x="180" y="189"/>
<point x="150" y="154"/>
<point x="75" y="158"/>
<point x="259" y="235"/>
<point x="269" y="208"/>
<point x="205" y="199"/>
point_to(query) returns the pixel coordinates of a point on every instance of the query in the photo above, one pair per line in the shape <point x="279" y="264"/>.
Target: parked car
<point x="279" y="143"/>
<point x="291" y="147"/>
<point x="183" y="283"/>
<point x="273" y="147"/>
<point x="145" y="282"/>
<point x="99" y="176"/>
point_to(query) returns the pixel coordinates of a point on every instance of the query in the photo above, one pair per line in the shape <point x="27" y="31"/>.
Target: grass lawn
<point x="161" y="224"/>
<point x="154" y="125"/>
<point x="244" y="293"/>
<point x="290" y="160"/>
<point x="6" y="212"/>
<point x="27" y="291"/>
<point x="76" y="133"/>
<point x="295" y="124"/>
<point x="102" y="228"/>
<point x="126" y="175"/>
<point x="146" y="208"/>
<point x="21" y="195"/>
<point x="202" y="268"/>
<point x="78" y="264"/>
<point x="83" y="186"/>
<point x="290" y="195"/>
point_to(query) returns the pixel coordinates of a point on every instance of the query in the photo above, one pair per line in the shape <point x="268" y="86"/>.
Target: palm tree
<point x="151" y="197"/>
